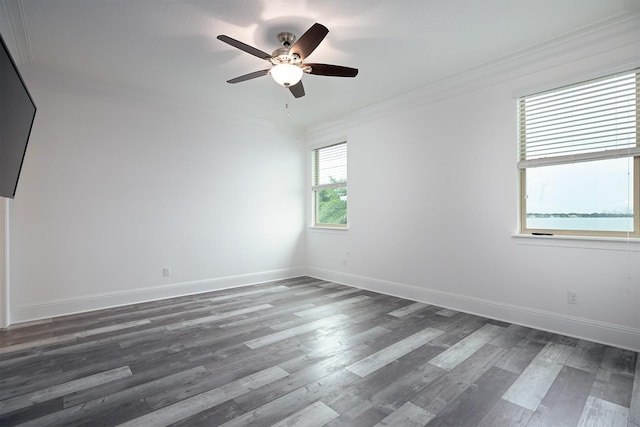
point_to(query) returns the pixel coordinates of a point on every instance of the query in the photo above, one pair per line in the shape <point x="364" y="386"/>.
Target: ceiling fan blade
<point x="297" y="89"/>
<point x="249" y="76"/>
<point x="309" y="41"/>
<point x="331" y="70"/>
<point x="245" y="47"/>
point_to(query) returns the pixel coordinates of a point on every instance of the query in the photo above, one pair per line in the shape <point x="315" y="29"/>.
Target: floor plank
<point x="63" y="389"/>
<point x="284" y="406"/>
<point x="315" y="415"/>
<point x="598" y="412"/>
<point x="466" y="347"/>
<point x="408" y="415"/>
<point x="439" y="394"/>
<point x="532" y="385"/>
<point x="471" y="406"/>
<point x="408" y="309"/>
<point x="191" y="406"/>
<point x="506" y="414"/>
<point x="383" y="357"/>
<point x="563" y="403"/>
<point x="294" y="331"/>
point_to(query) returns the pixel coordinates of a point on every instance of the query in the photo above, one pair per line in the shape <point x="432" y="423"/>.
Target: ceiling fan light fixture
<point x="286" y="74"/>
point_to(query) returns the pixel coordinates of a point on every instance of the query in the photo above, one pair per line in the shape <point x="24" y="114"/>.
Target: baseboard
<point x="65" y="306"/>
<point x="605" y="333"/>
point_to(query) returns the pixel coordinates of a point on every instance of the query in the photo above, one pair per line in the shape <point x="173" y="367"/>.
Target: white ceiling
<point x="168" y="49"/>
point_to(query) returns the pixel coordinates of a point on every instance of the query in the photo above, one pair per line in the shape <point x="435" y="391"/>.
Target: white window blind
<point x="330" y="167"/>
<point x="593" y="120"/>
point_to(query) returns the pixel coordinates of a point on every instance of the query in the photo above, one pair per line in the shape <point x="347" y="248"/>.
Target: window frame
<point x="316" y="188"/>
<point x="635" y="162"/>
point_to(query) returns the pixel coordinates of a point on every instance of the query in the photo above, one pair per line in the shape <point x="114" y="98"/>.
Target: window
<point x="329" y="186"/>
<point x="580" y="158"/>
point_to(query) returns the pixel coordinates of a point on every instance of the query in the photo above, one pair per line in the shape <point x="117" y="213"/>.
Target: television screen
<point x="17" y="112"/>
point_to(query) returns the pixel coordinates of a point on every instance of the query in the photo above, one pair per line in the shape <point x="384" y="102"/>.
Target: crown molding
<point x="17" y="37"/>
<point x="614" y="33"/>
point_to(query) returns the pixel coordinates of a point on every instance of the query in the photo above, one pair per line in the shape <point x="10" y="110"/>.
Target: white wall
<point x="114" y="189"/>
<point x="433" y="194"/>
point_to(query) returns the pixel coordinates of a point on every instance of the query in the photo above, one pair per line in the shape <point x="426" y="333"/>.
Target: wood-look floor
<point x="306" y="352"/>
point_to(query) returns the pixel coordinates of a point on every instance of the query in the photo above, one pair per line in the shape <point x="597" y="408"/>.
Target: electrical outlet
<point x="166" y="271"/>
<point x="572" y="297"/>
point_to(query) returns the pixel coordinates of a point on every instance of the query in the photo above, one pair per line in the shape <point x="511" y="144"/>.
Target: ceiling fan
<point x="287" y="65"/>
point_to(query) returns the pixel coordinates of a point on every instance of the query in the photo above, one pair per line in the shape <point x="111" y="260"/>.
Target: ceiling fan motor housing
<point x="286" y="39"/>
<point x="281" y="55"/>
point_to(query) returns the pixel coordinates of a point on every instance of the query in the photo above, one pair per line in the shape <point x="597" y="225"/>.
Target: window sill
<point x="338" y="230"/>
<point x="585" y="242"/>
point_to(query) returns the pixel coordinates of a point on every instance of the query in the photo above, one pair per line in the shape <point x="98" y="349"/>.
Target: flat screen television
<point x="17" y="111"/>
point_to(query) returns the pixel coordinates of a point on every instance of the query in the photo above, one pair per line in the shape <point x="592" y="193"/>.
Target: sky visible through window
<point x="603" y="186"/>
